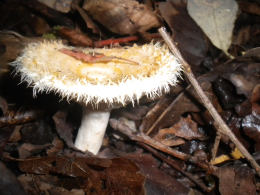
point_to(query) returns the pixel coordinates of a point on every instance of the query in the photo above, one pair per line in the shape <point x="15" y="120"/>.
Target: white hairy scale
<point x="45" y="68"/>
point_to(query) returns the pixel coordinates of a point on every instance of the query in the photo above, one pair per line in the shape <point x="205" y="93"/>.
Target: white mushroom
<point x="122" y="75"/>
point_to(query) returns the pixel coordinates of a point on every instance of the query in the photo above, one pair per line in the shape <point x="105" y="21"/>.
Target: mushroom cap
<point x="130" y="72"/>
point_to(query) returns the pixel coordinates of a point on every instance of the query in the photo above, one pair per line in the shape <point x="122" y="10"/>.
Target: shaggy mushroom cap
<point x="127" y="75"/>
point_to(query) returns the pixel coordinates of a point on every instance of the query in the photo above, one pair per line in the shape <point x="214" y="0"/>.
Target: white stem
<point x="92" y="130"/>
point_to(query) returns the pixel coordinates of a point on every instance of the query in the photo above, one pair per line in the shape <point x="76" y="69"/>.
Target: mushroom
<point x="97" y="77"/>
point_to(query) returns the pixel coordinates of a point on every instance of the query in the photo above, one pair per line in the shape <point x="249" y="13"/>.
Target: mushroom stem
<point x="92" y="130"/>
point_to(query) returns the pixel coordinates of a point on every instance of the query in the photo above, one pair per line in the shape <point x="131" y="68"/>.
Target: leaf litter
<point x="36" y="141"/>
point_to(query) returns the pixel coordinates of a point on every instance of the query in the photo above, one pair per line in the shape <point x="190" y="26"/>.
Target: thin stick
<point x="163" y="115"/>
<point x="147" y="140"/>
<point x="215" y="147"/>
<point x="219" y="124"/>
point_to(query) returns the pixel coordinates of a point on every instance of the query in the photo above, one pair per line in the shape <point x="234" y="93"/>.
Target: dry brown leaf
<point x="102" y="176"/>
<point x="186" y="128"/>
<point x="48" y="184"/>
<point x="186" y="33"/>
<point x="57" y="147"/>
<point x="122" y="16"/>
<point x="167" y="137"/>
<point x="63" y="128"/>
<point x="27" y="150"/>
<point x="236" y="180"/>
<point x="157" y="181"/>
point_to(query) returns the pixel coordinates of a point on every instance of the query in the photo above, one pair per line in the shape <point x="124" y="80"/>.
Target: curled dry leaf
<point x="186" y="128"/>
<point x="57" y="146"/>
<point x="167" y="137"/>
<point x="122" y="16"/>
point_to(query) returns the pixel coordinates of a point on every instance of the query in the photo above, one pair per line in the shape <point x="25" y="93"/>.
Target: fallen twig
<point x="128" y="39"/>
<point x="215" y="147"/>
<point x="115" y="41"/>
<point x="163" y="115"/>
<point x="219" y="123"/>
<point x="147" y="140"/>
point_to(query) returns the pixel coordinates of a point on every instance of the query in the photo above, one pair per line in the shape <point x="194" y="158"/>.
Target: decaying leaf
<point x="186" y="128"/>
<point x="157" y="181"/>
<point x="63" y="128"/>
<point x="38" y="132"/>
<point x="136" y="113"/>
<point x="166" y="137"/>
<point x="167" y="117"/>
<point x="27" y="150"/>
<point x="102" y="176"/>
<point x="236" y="180"/>
<point x="186" y="33"/>
<point x="122" y="16"/>
<point x="48" y="184"/>
<point x="57" y="146"/>
<point x="216" y="18"/>
<point x="8" y="182"/>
